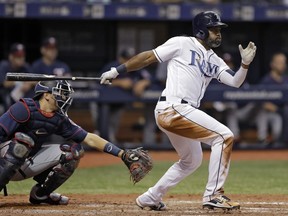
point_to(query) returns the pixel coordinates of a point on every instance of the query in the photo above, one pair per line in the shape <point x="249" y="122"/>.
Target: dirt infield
<point x="124" y="205"/>
<point x="112" y="205"/>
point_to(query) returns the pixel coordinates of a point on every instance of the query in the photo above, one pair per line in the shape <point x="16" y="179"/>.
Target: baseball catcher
<point x="25" y="127"/>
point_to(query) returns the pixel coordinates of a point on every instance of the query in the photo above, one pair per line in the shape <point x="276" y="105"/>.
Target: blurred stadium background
<point x="91" y="33"/>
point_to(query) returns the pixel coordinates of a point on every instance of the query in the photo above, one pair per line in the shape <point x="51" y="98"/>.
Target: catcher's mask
<point x="60" y="89"/>
<point x="205" y="20"/>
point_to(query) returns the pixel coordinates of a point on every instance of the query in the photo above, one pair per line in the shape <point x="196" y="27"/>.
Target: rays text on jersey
<point x="205" y="67"/>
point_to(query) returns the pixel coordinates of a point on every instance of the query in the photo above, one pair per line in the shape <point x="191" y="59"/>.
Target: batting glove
<point x="107" y="76"/>
<point x="248" y="53"/>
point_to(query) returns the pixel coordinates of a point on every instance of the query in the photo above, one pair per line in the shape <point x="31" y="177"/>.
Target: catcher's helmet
<point x="205" y="20"/>
<point x="61" y="89"/>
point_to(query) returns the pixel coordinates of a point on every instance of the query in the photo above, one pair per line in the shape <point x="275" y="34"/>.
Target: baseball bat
<point x="44" y="77"/>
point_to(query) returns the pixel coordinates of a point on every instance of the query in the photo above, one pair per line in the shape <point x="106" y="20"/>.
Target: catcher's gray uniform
<point x="48" y="156"/>
<point x="23" y="130"/>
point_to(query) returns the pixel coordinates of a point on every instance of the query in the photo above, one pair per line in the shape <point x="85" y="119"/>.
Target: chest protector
<point x="33" y="122"/>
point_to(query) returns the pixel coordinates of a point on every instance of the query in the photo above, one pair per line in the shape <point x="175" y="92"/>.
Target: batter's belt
<point x="173" y="99"/>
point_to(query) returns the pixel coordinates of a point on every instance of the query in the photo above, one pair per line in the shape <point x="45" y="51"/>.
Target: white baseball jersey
<point x="190" y="69"/>
<point x="188" y="83"/>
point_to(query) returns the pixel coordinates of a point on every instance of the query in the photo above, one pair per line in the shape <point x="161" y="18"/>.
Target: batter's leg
<point x="192" y="123"/>
<point x="208" y="130"/>
<point x="190" y="153"/>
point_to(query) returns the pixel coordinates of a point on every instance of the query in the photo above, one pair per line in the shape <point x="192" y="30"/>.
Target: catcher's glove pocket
<point x="139" y="163"/>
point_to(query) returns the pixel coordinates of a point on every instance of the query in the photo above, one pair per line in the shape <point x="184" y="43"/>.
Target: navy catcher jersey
<point x="25" y="116"/>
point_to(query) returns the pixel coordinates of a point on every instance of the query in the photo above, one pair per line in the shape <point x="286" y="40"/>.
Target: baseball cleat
<point x="52" y="198"/>
<point x="221" y="202"/>
<point x="160" y="207"/>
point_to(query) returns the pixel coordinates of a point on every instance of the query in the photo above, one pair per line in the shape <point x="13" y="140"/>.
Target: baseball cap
<point x="49" y="42"/>
<point x="17" y="50"/>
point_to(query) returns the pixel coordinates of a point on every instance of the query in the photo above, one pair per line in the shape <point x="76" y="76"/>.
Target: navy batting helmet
<point x="61" y="90"/>
<point x="205" y="20"/>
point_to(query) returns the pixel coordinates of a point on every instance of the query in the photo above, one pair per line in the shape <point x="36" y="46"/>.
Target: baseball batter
<point x="23" y="130"/>
<point x="192" y="64"/>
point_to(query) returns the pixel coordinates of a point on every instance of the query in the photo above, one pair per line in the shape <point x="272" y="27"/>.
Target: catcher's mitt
<point x="138" y="162"/>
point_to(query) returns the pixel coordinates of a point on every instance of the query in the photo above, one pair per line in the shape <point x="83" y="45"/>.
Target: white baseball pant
<point x="186" y="128"/>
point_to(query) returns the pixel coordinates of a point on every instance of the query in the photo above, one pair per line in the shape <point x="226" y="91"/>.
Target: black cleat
<point x="51" y="199"/>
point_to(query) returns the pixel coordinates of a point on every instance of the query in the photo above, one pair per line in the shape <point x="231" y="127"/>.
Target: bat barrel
<point x="44" y="77"/>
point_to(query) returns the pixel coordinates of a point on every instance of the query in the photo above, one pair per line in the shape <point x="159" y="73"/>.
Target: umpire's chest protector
<point x="33" y="122"/>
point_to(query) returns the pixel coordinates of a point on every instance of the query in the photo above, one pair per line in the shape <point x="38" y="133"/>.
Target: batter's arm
<point x="137" y="62"/>
<point x="234" y="79"/>
<point x="238" y="78"/>
<point x="101" y="144"/>
<point x="140" y="61"/>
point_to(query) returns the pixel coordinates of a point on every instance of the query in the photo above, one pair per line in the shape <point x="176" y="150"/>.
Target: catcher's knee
<point x="18" y="150"/>
<point x="57" y="175"/>
<point x="19" y="147"/>
<point x="70" y="158"/>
